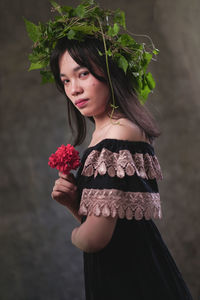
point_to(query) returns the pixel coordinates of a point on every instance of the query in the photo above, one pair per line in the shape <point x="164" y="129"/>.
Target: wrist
<point x="74" y="211"/>
<point x="73" y="206"/>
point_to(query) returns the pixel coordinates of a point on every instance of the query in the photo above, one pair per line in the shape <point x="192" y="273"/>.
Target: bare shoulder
<point x="124" y="129"/>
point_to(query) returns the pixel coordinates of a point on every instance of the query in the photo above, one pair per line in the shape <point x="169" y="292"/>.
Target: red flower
<point x="65" y="159"/>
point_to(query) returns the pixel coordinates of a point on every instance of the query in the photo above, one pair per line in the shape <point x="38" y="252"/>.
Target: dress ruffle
<point x="113" y="202"/>
<point x="121" y="164"/>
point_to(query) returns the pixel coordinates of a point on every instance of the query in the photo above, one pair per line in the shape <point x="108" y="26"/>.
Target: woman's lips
<point x="80" y="103"/>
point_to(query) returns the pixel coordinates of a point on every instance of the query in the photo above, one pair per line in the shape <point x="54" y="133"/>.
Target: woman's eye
<point x="85" y="73"/>
<point x="65" y="81"/>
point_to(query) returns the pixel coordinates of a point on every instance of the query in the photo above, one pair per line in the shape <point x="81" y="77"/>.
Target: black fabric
<point x="136" y="263"/>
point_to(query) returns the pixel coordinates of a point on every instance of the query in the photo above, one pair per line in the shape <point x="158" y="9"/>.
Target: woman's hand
<point x="65" y="191"/>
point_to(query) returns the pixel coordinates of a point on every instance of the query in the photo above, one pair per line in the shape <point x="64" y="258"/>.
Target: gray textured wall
<point x="37" y="260"/>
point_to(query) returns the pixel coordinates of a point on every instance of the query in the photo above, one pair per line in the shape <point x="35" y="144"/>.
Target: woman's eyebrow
<point x="74" y="70"/>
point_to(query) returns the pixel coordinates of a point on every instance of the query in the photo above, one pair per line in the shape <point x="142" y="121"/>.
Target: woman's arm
<point x="94" y="234"/>
<point x="65" y="192"/>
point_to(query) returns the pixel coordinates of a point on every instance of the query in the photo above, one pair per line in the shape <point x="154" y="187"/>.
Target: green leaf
<point x="32" y="58"/>
<point x="126" y="40"/>
<point x="66" y="9"/>
<point x="113" y="31"/>
<point x="156" y="51"/>
<point x="147" y="57"/>
<point x="122" y="62"/>
<point x="35" y="66"/>
<point x="33" y="30"/>
<point x="100" y="53"/>
<point x="80" y="11"/>
<point x="119" y="18"/>
<point x="109" y="52"/>
<point x="71" y="34"/>
<point x="86" y="29"/>
<point x="150" y="81"/>
<point x="47" y="76"/>
<point x="56" y="6"/>
<point x="59" y="19"/>
<point x="144" y="93"/>
<point x="54" y="45"/>
<point x="146" y="60"/>
<point x="139" y="83"/>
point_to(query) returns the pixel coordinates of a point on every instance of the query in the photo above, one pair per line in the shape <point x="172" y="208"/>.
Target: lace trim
<point x="121" y="164"/>
<point x="112" y="202"/>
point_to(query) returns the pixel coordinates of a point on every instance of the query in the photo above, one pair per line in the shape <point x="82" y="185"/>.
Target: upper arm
<point x="95" y="232"/>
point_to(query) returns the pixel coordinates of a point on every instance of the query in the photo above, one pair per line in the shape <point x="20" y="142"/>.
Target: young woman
<point x="115" y="195"/>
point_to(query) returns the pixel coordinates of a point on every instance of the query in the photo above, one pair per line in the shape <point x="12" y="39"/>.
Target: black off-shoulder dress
<point x="119" y="177"/>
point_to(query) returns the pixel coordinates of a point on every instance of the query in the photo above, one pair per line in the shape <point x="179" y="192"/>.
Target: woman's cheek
<point x="67" y="92"/>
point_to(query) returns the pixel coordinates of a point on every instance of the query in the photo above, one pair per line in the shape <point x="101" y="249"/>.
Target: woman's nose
<point x="76" y="88"/>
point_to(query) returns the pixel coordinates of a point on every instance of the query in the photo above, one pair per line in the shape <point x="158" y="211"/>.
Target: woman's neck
<point x="102" y="127"/>
<point x="101" y="123"/>
<point x="106" y="119"/>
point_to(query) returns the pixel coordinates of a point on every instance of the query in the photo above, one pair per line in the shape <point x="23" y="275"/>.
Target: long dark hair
<point x="86" y="54"/>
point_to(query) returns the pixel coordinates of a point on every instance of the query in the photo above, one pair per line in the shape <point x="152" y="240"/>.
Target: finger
<point x="65" y="183"/>
<point x="70" y="177"/>
<point x="56" y="195"/>
<point x="62" y="175"/>
<point x="63" y="189"/>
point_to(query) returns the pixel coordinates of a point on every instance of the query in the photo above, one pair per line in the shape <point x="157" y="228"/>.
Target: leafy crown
<point x="88" y="19"/>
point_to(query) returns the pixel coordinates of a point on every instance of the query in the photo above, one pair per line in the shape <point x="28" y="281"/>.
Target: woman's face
<point x="89" y="95"/>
